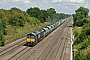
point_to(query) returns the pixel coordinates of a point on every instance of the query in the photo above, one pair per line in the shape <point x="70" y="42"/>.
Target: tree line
<point x="17" y="17"/>
<point x="42" y="15"/>
<point x="82" y="38"/>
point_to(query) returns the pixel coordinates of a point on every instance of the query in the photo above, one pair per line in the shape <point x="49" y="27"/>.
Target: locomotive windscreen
<point x="30" y="36"/>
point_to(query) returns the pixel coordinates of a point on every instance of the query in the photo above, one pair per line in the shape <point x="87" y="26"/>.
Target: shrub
<point x="88" y="56"/>
<point x="2" y="32"/>
<point x="17" y="20"/>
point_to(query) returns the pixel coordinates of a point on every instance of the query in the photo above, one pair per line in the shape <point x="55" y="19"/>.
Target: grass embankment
<point x="82" y="49"/>
<point x="77" y="31"/>
<point x="17" y="32"/>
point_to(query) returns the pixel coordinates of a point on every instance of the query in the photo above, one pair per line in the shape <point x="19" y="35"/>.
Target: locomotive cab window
<point x="30" y="36"/>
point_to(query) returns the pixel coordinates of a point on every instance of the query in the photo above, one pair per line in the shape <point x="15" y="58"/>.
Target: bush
<point x="88" y="56"/>
<point x="2" y="39"/>
<point x="3" y="26"/>
<point x="84" y="34"/>
<point x="17" y="20"/>
<point x="76" y="33"/>
<point x="2" y="32"/>
<point x="79" y="55"/>
<point x="86" y="29"/>
<point x="34" y="21"/>
<point x="80" y="38"/>
<point x="79" y="22"/>
<point x="83" y="46"/>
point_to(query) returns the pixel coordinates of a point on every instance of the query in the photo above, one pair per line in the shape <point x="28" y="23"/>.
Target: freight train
<point x="35" y="37"/>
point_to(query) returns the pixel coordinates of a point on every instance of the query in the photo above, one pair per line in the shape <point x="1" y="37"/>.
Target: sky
<point x="61" y="6"/>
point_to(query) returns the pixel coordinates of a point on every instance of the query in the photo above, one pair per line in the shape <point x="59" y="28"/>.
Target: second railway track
<point x="17" y="55"/>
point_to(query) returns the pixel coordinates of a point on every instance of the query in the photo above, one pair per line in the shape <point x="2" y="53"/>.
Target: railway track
<point x="47" y="38"/>
<point x="17" y="55"/>
<point x="9" y="49"/>
<point x="48" y="51"/>
<point x="64" y="50"/>
<point x="53" y="47"/>
<point x="12" y="46"/>
<point x="52" y="50"/>
<point x="60" y="53"/>
<point x="39" y="52"/>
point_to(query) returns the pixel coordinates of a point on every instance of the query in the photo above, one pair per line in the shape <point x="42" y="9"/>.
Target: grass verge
<point x="16" y="32"/>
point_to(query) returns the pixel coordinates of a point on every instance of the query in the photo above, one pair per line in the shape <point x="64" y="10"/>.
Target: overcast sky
<point x="61" y="6"/>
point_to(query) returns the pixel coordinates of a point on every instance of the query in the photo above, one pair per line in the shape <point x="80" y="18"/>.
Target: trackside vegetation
<point x="16" y="23"/>
<point x="82" y="34"/>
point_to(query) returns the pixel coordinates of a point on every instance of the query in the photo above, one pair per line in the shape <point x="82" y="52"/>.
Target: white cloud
<point x="26" y="1"/>
<point x="74" y="1"/>
<point x="45" y="1"/>
<point x="11" y="1"/>
<point x="20" y="1"/>
<point x="14" y="1"/>
<point x="57" y="1"/>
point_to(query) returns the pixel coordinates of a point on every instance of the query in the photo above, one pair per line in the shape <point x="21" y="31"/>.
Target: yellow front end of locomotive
<point x="30" y="40"/>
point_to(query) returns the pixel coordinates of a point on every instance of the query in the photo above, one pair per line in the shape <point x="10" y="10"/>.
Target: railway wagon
<point x="49" y="28"/>
<point x="52" y="27"/>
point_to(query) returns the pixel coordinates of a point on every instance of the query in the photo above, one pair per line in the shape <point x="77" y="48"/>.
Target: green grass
<point x="16" y="32"/>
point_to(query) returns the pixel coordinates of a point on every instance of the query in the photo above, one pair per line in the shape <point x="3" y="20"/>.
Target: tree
<point x="17" y="20"/>
<point x="43" y="15"/>
<point x="15" y="10"/>
<point x="33" y="12"/>
<point x="79" y="22"/>
<point x="81" y="13"/>
<point x="51" y="11"/>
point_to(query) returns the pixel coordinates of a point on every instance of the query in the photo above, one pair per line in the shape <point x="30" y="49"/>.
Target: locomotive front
<point x="31" y="40"/>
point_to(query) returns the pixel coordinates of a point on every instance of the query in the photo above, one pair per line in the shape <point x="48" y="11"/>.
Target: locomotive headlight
<point x="30" y="40"/>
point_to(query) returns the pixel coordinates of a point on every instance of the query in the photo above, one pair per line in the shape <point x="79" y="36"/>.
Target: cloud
<point x="72" y="1"/>
<point x="26" y="1"/>
<point x="65" y="6"/>
<point x="76" y="1"/>
<point x="12" y="1"/>
<point x="57" y="1"/>
<point x="45" y="1"/>
<point x="17" y="1"/>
